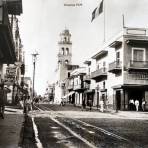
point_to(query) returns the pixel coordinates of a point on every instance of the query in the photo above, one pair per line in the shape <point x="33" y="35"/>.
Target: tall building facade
<point x="64" y="61"/>
<point x="10" y="46"/>
<point x="121" y="71"/>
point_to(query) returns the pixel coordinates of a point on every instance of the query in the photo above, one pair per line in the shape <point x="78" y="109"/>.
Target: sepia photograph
<point x="73" y="74"/>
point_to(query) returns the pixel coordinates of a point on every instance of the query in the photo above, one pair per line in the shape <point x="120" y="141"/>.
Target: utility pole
<point x="34" y="58"/>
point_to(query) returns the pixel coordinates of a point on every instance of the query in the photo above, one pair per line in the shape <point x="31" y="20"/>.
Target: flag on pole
<point x="94" y="14"/>
<point x="101" y="7"/>
<point x="97" y="11"/>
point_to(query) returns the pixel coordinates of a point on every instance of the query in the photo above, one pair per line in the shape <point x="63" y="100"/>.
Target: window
<point x="104" y="85"/>
<point x="118" y="57"/>
<point x="68" y="74"/>
<point x="104" y="64"/>
<point x="67" y="51"/>
<point x="62" y="50"/>
<point x="66" y="61"/>
<point x="138" y="54"/>
<point x="98" y="66"/>
<point x="89" y="71"/>
<point x="65" y="39"/>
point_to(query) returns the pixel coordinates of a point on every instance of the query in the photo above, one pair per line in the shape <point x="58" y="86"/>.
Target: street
<point x="68" y="126"/>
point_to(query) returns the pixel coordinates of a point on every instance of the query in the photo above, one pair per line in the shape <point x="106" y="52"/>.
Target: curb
<point x="21" y="134"/>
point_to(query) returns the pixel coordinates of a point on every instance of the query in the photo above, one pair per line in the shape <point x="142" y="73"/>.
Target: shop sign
<point x="10" y="75"/>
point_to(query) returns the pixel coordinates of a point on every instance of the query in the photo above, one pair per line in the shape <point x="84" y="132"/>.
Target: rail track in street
<point x="82" y="134"/>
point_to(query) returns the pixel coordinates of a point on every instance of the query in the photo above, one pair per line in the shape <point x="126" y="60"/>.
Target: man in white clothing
<point x="137" y="104"/>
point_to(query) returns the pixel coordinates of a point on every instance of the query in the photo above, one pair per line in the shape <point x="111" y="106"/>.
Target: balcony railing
<point x="70" y="87"/>
<point x="115" y="67"/>
<point x="87" y="78"/>
<point x="86" y="86"/>
<point x="138" y="65"/>
<point x="136" y="78"/>
<point x="78" y="86"/>
<point x="65" y="42"/>
<point x="61" y="55"/>
<point x="81" y="86"/>
<point x="7" y="43"/>
<point x="99" y="74"/>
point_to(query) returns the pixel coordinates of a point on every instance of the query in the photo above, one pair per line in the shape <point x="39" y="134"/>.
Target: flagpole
<point x="123" y="21"/>
<point x="104" y="21"/>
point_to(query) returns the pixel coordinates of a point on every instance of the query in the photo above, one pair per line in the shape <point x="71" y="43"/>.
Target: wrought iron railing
<point x="99" y="72"/>
<point x="115" y="65"/>
<point x="136" y="76"/>
<point x="138" y="64"/>
<point x="87" y="77"/>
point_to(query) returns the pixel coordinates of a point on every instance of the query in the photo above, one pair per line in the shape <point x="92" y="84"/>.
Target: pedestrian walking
<point x="137" y="104"/>
<point x="107" y="104"/>
<point x="36" y="99"/>
<point x="143" y="104"/>
<point x="90" y="103"/>
<point x="83" y="104"/>
<point x="62" y="102"/>
<point x="21" y="102"/>
<point x="101" y="106"/>
<point x="3" y="97"/>
<point x="28" y="105"/>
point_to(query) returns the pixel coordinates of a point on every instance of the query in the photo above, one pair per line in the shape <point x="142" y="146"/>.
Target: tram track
<point x="91" y="135"/>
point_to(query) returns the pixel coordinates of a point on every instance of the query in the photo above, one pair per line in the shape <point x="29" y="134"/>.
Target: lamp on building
<point x="34" y="58"/>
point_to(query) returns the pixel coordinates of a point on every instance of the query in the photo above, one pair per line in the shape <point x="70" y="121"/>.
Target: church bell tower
<point x="64" y="54"/>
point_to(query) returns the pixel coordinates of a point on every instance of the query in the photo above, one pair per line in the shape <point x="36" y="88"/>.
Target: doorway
<point x="118" y="100"/>
<point x="136" y="94"/>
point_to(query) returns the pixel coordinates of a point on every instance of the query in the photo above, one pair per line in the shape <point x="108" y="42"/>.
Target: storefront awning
<point x="67" y="95"/>
<point x="127" y="86"/>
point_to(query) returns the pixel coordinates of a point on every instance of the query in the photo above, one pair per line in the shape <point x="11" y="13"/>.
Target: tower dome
<point x="65" y="37"/>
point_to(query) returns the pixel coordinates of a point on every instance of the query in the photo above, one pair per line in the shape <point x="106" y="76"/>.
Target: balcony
<point x="7" y="48"/>
<point x="61" y="55"/>
<point x="81" y="87"/>
<point x="65" y="42"/>
<point x="100" y="74"/>
<point x="115" y="67"/>
<point x="86" y="86"/>
<point x="138" y="78"/>
<point x="138" y="66"/>
<point x="14" y="7"/>
<point x="70" y="87"/>
<point x="87" y="78"/>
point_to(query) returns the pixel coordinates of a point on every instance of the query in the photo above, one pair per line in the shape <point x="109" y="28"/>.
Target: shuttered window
<point x="138" y="54"/>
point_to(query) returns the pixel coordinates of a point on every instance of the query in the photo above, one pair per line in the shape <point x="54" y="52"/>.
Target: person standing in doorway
<point x="137" y="104"/>
<point x="143" y="104"/>
<point x="131" y="104"/>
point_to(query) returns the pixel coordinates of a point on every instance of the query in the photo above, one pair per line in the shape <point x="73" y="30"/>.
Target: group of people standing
<point x="135" y="104"/>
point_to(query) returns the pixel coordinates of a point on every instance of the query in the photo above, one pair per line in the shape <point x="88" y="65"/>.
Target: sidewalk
<point x="11" y="127"/>
<point x="77" y="112"/>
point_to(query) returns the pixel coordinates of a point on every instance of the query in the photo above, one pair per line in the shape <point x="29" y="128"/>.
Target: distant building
<point x="50" y="91"/>
<point x="76" y="86"/>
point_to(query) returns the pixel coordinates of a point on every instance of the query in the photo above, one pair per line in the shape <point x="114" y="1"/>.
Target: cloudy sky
<point x="43" y="20"/>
